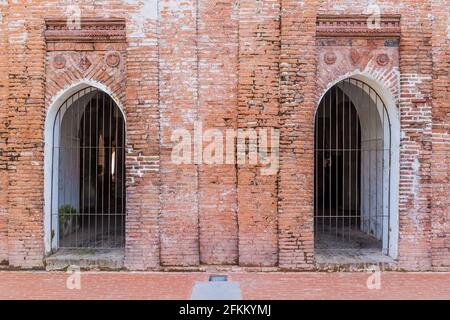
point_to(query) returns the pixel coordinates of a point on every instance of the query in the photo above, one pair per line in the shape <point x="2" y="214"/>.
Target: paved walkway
<point x="129" y="285"/>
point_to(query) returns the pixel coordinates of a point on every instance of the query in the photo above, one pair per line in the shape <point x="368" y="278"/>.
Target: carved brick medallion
<point x="355" y="56"/>
<point x="330" y="58"/>
<point x="59" y="61"/>
<point x="112" y="59"/>
<point x="383" y="59"/>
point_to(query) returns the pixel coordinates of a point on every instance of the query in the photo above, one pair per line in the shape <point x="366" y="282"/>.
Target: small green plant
<point x="67" y="219"/>
<point x="65" y="213"/>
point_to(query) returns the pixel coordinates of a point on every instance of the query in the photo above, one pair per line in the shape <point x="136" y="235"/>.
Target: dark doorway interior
<point x="338" y="177"/>
<point x="95" y="219"/>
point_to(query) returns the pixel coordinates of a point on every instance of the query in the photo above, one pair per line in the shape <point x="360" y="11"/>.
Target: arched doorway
<point x="353" y="180"/>
<point x="88" y="173"/>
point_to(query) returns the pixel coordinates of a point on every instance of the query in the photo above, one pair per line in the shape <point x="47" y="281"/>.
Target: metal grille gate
<point x="88" y="174"/>
<point x="352" y="169"/>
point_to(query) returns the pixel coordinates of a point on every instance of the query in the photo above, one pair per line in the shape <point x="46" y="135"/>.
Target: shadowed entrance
<point x="88" y="192"/>
<point x="352" y="161"/>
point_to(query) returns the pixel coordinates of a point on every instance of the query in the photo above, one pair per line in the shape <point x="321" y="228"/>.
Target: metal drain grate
<point x="218" y="278"/>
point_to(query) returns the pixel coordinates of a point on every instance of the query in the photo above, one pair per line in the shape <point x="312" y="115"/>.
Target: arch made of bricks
<point x="52" y="112"/>
<point x="389" y="97"/>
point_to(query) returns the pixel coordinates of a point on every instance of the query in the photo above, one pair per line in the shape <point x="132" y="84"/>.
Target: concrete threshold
<point x="86" y="259"/>
<point x="352" y="260"/>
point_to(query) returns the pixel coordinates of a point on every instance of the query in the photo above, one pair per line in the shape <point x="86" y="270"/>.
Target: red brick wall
<point x="297" y="109"/>
<point x="258" y="100"/>
<point x="179" y="109"/>
<point x="142" y="250"/>
<point x="229" y="64"/>
<point x="3" y="134"/>
<point x="26" y="49"/>
<point x="135" y="86"/>
<point x="415" y="149"/>
<point x="217" y="99"/>
<point x="440" y="212"/>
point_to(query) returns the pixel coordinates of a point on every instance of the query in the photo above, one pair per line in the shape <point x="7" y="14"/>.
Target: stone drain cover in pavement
<point x="218" y="288"/>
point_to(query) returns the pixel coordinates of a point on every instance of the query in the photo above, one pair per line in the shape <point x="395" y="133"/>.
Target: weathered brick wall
<point x="258" y="101"/>
<point x="440" y="210"/>
<point x="142" y="249"/>
<point x="229" y="64"/>
<point x="179" y="110"/>
<point x="217" y="99"/>
<point x="4" y="66"/>
<point x="135" y="86"/>
<point x="297" y="109"/>
<point x="25" y="144"/>
<point x="415" y="149"/>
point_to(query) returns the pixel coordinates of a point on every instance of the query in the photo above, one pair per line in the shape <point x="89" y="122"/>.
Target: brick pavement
<point x="128" y="285"/>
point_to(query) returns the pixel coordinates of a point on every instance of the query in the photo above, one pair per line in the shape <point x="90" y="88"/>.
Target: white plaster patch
<point x="448" y="27"/>
<point x="19" y="38"/>
<point x="147" y="11"/>
<point x="413" y="81"/>
<point x="415" y="189"/>
<point x="2" y="3"/>
<point x="178" y="5"/>
<point x="349" y="4"/>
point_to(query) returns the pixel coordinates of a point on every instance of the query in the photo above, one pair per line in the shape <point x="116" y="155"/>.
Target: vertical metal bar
<point x="109" y="170"/>
<point x="376" y="168"/>
<point x="383" y="224"/>
<point x="329" y="162"/>
<point x="68" y="153"/>
<point x="358" y="159"/>
<point x="115" y="171"/>
<point x="77" y="156"/>
<point x="83" y="178"/>
<point x="62" y="167"/>
<point x="103" y="169"/>
<point x="343" y="164"/>
<point x="316" y="169"/>
<point x="322" y="147"/>
<point x="353" y="151"/>
<point x="61" y="172"/>
<point x="55" y="211"/>
<point x="123" y="182"/>
<point x="96" y="166"/>
<point x="389" y="181"/>
<point x="350" y="154"/>
<point x="336" y="154"/>
<point x="89" y="231"/>
<point x="370" y="175"/>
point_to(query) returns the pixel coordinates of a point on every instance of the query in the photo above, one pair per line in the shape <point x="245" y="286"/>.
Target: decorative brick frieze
<point x="85" y="30"/>
<point x="358" y="26"/>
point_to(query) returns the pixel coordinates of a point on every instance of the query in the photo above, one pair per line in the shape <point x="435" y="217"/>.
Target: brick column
<point x="3" y="133"/>
<point x="258" y="106"/>
<point x="178" y="110"/>
<point x="25" y="143"/>
<point x="143" y="155"/>
<point x="416" y="127"/>
<point x="440" y="218"/>
<point x="217" y="76"/>
<point x="298" y="104"/>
